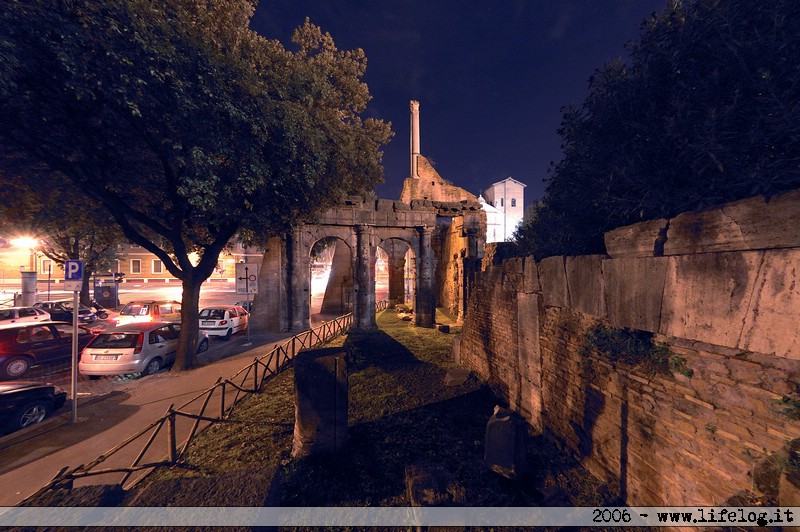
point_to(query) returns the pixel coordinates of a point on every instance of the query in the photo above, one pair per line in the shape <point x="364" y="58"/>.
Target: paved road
<point x="30" y="458"/>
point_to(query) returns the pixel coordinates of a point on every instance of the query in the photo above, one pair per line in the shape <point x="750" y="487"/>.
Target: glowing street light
<point x="29" y="243"/>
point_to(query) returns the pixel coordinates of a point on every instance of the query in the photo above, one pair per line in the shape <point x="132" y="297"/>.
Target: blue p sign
<point x="73" y="270"/>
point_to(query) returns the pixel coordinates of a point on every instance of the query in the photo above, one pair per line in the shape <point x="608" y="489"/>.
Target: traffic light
<point x="119" y="277"/>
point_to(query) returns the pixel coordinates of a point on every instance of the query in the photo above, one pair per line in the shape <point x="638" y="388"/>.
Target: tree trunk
<point x="86" y="295"/>
<point x="190" y="326"/>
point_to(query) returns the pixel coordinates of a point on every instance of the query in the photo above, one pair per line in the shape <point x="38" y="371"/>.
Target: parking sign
<point x="73" y="275"/>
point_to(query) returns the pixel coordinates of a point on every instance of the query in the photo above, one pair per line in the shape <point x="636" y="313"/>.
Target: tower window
<point x="513" y="202"/>
<point x="501" y="202"/>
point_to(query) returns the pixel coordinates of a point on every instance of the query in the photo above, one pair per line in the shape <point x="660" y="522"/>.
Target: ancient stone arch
<point x="426" y="228"/>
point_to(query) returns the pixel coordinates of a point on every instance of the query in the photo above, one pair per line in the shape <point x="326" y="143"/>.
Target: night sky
<point x="491" y="76"/>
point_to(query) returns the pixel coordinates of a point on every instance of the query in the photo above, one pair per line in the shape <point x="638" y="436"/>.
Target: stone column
<point x="414" y="138"/>
<point x="300" y="290"/>
<point x="338" y="293"/>
<point x="469" y="263"/>
<point x="365" y="278"/>
<point x="396" y="251"/>
<point x="269" y="310"/>
<point x="425" y="306"/>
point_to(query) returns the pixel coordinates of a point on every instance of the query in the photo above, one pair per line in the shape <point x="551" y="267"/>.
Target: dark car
<point x="25" y="403"/>
<point x="62" y="311"/>
<point x="24" y="345"/>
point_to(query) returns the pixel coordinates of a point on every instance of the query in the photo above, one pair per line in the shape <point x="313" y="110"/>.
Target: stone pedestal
<point x="320" y="395"/>
<point x="505" y="444"/>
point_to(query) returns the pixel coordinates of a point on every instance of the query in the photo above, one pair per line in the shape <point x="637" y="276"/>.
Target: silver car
<point x="140" y="347"/>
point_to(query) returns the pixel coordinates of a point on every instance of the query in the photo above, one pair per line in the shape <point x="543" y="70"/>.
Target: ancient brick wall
<point x="718" y="415"/>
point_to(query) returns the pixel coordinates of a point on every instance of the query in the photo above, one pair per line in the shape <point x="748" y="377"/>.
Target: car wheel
<point x="30" y="414"/>
<point x="152" y="367"/>
<point x="16" y="367"/>
<point x="203" y="347"/>
<point x="228" y="335"/>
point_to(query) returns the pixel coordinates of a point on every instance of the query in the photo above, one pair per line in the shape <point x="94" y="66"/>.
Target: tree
<point x="707" y="111"/>
<point x="89" y="235"/>
<point x="186" y="126"/>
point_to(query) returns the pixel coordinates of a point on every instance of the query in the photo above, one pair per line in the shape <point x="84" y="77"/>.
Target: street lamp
<point x="30" y="244"/>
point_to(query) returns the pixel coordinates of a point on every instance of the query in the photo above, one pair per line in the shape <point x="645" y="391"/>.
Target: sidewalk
<point x="31" y="457"/>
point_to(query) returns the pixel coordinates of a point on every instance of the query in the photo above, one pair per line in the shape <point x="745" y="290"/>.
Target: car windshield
<point x="67" y="305"/>
<point x="212" y="314"/>
<point x="135" y="310"/>
<point x="115" y="340"/>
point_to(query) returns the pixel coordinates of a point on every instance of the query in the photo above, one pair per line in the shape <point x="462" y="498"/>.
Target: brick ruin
<point x="710" y="412"/>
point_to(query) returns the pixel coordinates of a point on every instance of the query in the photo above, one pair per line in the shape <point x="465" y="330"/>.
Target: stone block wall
<point x="716" y="423"/>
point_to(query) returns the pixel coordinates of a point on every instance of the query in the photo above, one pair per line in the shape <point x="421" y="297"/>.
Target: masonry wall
<point x="721" y="290"/>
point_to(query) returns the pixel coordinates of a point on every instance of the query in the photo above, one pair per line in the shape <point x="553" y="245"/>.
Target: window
<point x="136" y="266"/>
<point x="513" y="202"/>
<point x="47" y="266"/>
<point x="501" y="202"/>
<point x="158" y="266"/>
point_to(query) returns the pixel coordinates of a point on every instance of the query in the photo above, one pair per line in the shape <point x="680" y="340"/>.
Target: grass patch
<point x="400" y="413"/>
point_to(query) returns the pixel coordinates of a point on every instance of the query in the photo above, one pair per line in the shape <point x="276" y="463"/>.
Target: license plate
<point x="207" y="323"/>
<point x="106" y="357"/>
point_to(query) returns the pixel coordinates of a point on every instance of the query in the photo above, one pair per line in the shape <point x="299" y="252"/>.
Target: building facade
<point x="504" y="203"/>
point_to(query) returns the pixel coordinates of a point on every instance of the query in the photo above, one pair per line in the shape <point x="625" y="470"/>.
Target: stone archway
<point x="283" y="302"/>
<point x="401" y="265"/>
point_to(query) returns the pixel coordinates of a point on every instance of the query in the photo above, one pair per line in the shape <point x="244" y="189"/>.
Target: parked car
<point x="24" y="345"/>
<point x="22" y="315"/>
<point x="223" y="321"/>
<point x="139" y="347"/>
<point x="62" y="311"/>
<point x="137" y="311"/>
<point x="25" y="403"/>
<point x="247" y="305"/>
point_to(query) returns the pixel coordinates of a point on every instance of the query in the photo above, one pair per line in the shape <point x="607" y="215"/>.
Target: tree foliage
<point x="707" y="111"/>
<point x="183" y="124"/>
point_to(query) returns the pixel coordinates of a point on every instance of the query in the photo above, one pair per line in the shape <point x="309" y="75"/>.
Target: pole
<point x="247" y="291"/>
<point x="75" y="311"/>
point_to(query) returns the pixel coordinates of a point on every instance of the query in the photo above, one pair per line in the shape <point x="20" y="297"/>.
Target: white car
<point x="223" y="321"/>
<point x="139" y="347"/>
<point x="22" y="315"/>
<point x="143" y="311"/>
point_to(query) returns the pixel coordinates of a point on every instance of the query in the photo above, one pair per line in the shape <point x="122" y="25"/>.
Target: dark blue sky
<point x="491" y="76"/>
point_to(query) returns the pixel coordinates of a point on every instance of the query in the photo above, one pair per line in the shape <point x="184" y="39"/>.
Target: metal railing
<point x="249" y="379"/>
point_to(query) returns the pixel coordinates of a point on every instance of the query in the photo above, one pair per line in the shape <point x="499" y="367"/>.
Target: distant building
<point x="504" y="205"/>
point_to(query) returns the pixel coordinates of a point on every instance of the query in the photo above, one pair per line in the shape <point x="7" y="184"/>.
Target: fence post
<point x="222" y="400"/>
<point x="173" y="451"/>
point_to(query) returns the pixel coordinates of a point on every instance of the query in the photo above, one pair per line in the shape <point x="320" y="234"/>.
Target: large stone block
<point x="531" y="273"/>
<point x="773" y="313"/>
<point x="707" y="296"/>
<point x="747" y="224"/>
<point x="320" y="397"/>
<point x="585" y="281"/>
<point x="637" y="240"/>
<point x="553" y="277"/>
<point x="633" y="289"/>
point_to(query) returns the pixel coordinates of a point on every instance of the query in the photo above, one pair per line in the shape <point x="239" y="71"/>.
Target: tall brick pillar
<point x="425" y="306"/>
<point x="300" y="264"/>
<point x="365" y="278"/>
